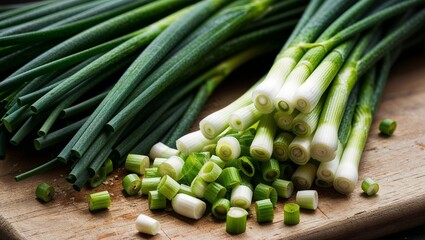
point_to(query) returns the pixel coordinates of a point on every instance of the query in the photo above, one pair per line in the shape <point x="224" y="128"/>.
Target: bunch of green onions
<point x="97" y="80"/>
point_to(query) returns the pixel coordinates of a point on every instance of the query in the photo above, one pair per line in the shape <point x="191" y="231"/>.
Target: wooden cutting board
<point x="397" y="163"/>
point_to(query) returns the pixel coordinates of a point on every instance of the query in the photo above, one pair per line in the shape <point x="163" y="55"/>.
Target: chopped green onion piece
<point x="151" y="172"/>
<point x="156" y="200"/>
<point x="45" y="192"/>
<point x="299" y="149"/>
<point x="136" y="163"/>
<point x="209" y="148"/>
<point x="370" y="187"/>
<point x="262" y="145"/>
<point x="131" y="184"/>
<point x="158" y="161"/>
<point x="291" y="213"/>
<point x="246" y="166"/>
<point x="192" y="142"/>
<point x="148" y="225"/>
<point x="168" y="187"/>
<point x="109" y="166"/>
<point x="99" y="200"/>
<point x="387" y="126"/>
<point x="236" y="220"/>
<point x="198" y="186"/>
<point x="270" y="170"/>
<point x="192" y="166"/>
<point x="263" y="191"/>
<point x="213" y="191"/>
<point x="186" y="190"/>
<point x="241" y="196"/>
<point x="228" y="148"/>
<point x="286" y="171"/>
<point x="281" y="146"/>
<point x="244" y="117"/>
<point x="172" y="167"/>
<point x="210" y="171"/>
<point x="283" y="188"/>
<point x="218" y="161"/>
<point x="160" y="150"/>
<point x="229" y="177"/>
<point x="188" y="206"/>
<point x="150" y="184"/>
<point x="307" y="199"/>
<point x="220" y="208"/>
<point x="304" y="176"/>
<point x="98" y="178"/>
<point x="264" y="210"/>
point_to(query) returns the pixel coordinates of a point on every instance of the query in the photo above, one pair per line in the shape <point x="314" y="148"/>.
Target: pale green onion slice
<point x="307" y="199"/>
<point x="45" y="192"/>
<point x="370" y="187"/>
<point x="283" y="188"/>
<point x="263" y="191"/>
<point x="160" y="150"/>
<point x="270" y="170"/>
<point x="188" y="206"/>
<point x="220" y="208"/>
<point x="213" y="191"/>
<point x="210" y="171"/>
<point x="156" y="200"/>
<point x="281" y="146"/>
<point x="136" y="163"/>
<point x="209" y="148"/>
<point x="172" y="167"/>
<point x="158" y="161"/>
<point x="284" y="120"/>
<point x="150" y="184"/>
<point x="236" y="220"/>
<point x="262" y="145"/>
<point x="303" y="177"/>
<point x="148" y="225"/>
<point x="109" y="166"/>
<point x="244" y="117"/>
<point x="99" y="200"/>
<point x="299" y="150"/>
<point x="291" y="213"/>
<point x="151" y="172"/>
<point x="264" y="211"/>
<point x="246" y="166"/>
<point x="192" y="166"/>
<point x="229" y="177"/>
<point x="228" y="148"/>
<point x="168" y="187"/>
<point x="218" y="161"/>
<point x="186" y="190"/>
<point x="131" y="184"/>
<point x="387" y="126"/>
<point x="198" y="186"/>
<point x="241" y="196"/>
<point x="192" y="142"/>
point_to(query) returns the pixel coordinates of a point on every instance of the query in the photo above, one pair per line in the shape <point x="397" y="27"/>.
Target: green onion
<point x="244" y="117"/>
<point x="215" y="159"/>
<point x="98" y="178"/>
<point x="327" y="170"/>
<point x="131" y="184"/>
<point x="172" y="167"/>
<point x="228" y="148"/>
<point x="99" y="200"/>
<point x="148" y="225"/>
<point x="284" y="120"/>
<point x="286" y="171"/>
<point x="229" y="177"/>
<point x="188" y="206"/>
<point x="370" y="187"/>
<point x="45" y="192"/>
<point x="264" y="211"/>
<point x="263" y="191"/>
<point x="281" y="146"/>
<point x="150" y="184"/>
<point x="198" y="186"/>
<point x="192" y="142"/>
<point x="192" y="166"/>
<point x="387" y="126"/>
<point x="270" y="170"/>
<point x="247" y="166"/>
<point x="186" y="190"/>
<point x="304" y="124"/>
<point x="236" y="220"/>
<point x="262" y="145"/>
<point x="304" y="176"/>
<point x="109" y="167"/>
<point x="220" y="208"/>
<point x="151" y="172"/>
<point x="210" y="171"/>
<point x="241" y="197"/>
<point x="299" y="149"/>
<point x="214" y="191"/>
<point x="291" y="213"/>
<point x="160" y="150"/>
<point x="283" y="188"/>
<point x="156" y="200"/>
<point x="136" y="163"/>
<point x="168" y="187"/>
<point x="307" y="199"/>
<point x="158" y="161"/>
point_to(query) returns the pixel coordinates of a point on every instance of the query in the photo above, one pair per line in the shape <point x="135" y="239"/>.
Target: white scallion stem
<point x="241" y="197"/>
<point x="192" y="142"/>
<point x="228" y="148"/>
<point x="305" y="124"/>
<point x="262" y="145"/>
<point x="172" y="167"/>
<point x="188" y="206"/>
<point x="327" y="170"/>
<point x="303" y="177"/>
<point x="307" y="199"/>
<point x="299" y="150"/>
<point x="284" y="120"/>
<point x="160" y="150"/>
<point x="281" y="146"/>
<point x="244" y="117"/>
<point x="148" y="225"/>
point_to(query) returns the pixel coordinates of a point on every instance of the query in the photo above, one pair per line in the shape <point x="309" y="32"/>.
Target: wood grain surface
<point x="396" y="163"/>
